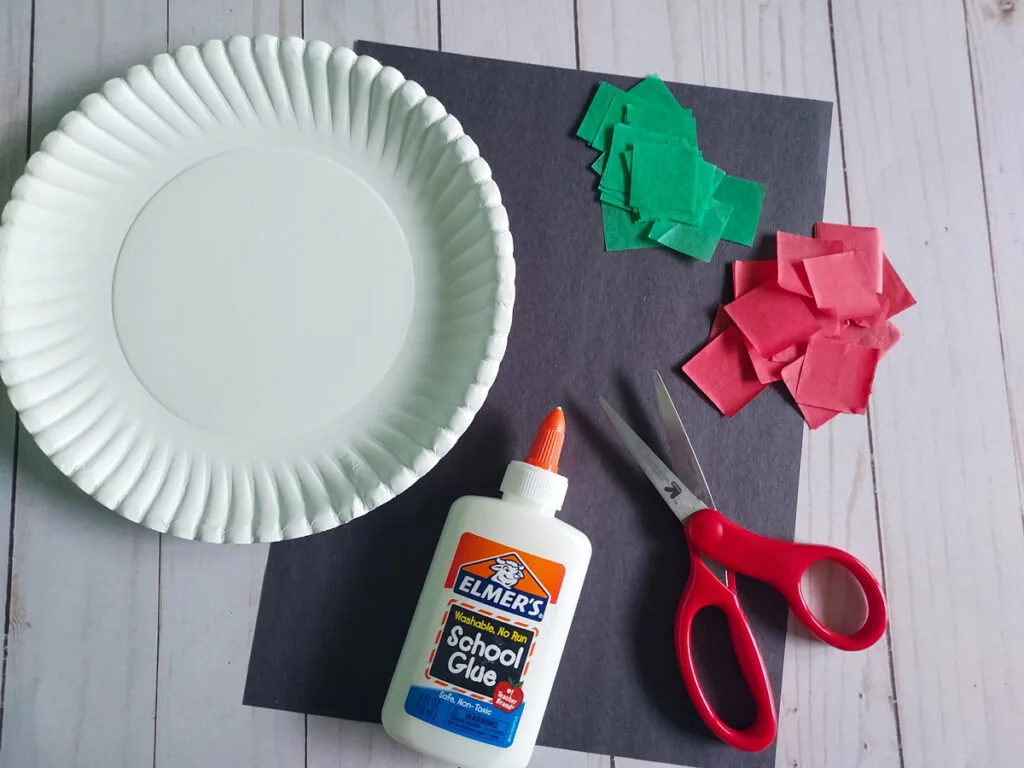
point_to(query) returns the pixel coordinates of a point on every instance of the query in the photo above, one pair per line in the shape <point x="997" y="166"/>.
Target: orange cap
<point x="547" y="445"/>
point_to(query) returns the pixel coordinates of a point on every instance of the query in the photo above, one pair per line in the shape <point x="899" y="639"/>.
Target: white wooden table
<point x="124" y="648"/>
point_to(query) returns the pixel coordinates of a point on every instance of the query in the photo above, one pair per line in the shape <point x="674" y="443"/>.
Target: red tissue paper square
<point x="841" y="284"/>
<point x="766" y="369"/>
<point x="772" y="319"/>
<point x="894" y="290"/>
<point x="813" y="415"/>
<point x="837" y="375"/>
<point x="791" y="251"/>
<point x="720" y="323"/>
<point x="723" y="371"/>
<point x="747" y="275"/>
<point x="864" y="240"/>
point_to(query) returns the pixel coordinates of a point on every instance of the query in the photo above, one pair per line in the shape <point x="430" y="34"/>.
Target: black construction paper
<point x="335" y="606"/>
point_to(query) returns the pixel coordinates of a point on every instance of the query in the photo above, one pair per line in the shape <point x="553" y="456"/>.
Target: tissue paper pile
<point x="656" y="188"/>
<point x="817" y="318"/>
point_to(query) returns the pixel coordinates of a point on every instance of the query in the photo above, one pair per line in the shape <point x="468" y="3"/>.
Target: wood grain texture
<point x="996" y="40"/>
<point x="82" y="657"/>
<point x="193" y="21"/>
<point x="399" y="22"/>
<point x="8" y="450"/>
<point x="204" y="643"/>
<point x="536" y="31"/>
<point x="546" y="757"/>
<point x="209" y="595"/>
<point x="638" y="38"/>
<point x="342" y="743"/>
<point x="15" y="75"/>
<point x="835" y="707"/>
<point x="15" y="64"/>
<point x="948" y="497"/>
<point x="81" y="671"/>
<point x="80" y="45"/>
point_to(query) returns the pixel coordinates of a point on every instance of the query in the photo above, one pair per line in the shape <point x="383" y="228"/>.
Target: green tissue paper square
<point x="716" y="180"/>
<point x="614" y="198"/>
<point x="709" y="176"/>
<point x="695" y="218"/>
<point x="664" y="176"/>
<point x="616" y="175"/>
<point x="621" y="233"/>
<point x="653" y="89"/>
<point x="660" y="228"/>
<point x="671" y="123"/>
<point x="698" y="242"/>
<point x="746" y="198"/>
<point x="598" y="165"/>
<point x="616" y="114"/>
<point x="591" y="121"/>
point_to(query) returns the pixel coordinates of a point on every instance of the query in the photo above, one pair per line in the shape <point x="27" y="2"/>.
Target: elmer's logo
<point x="505" y="583"/>
<point x="507" y="580"/>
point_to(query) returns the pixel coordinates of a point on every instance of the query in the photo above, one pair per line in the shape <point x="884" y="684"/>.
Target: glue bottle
<point x="474" y="675"/>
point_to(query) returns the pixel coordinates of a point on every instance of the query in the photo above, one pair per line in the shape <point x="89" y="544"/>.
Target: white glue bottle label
<point x="476" y="670"/>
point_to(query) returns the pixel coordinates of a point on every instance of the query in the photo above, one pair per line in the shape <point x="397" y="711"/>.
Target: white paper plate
<point x="253" y="290"/>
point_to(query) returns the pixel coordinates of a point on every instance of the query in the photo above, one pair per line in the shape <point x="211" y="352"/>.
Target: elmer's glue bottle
<point x="480" y="657"/>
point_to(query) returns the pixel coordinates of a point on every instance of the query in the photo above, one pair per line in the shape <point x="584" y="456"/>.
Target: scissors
<point x="712" y="537"/>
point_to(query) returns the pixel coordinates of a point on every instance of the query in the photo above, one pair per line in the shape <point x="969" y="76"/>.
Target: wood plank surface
<point x="15" y="76"/>
<point x="835" y="707"/>
<point x="209" y="595"/>
<point x="195" y="21"/>
<point x="948" y="497"/>
<point x="399" y="22"/>
<point x="996" y="40"/>
<point x="82" y="657"/>
<point x="535" y="31"/>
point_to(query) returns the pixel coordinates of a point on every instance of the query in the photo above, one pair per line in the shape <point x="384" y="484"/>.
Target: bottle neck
<point x="535" y="487"/>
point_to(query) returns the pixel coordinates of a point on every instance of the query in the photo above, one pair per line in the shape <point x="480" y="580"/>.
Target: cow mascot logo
<point x="508" y="573"/>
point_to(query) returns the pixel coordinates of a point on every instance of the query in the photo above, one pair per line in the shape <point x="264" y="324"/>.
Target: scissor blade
<point x="680" y="448"/>
<point x="679" y="498"/>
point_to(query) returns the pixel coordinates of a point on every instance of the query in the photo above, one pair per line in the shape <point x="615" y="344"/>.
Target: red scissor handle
<point x="782" y="564"/>
<point x="704" y="590"/>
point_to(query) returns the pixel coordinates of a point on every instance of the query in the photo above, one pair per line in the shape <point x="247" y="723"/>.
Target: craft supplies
<point x="818" y="318"/>
<point x="656" y="188"/>
<point x="474" y="675"/>
<point x="259" y="316"/>
<point x="586" y="319"/>
<point x="714" y="539"/>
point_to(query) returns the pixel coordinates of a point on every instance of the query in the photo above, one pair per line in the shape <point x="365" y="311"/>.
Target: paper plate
<point x="253" y="290"/>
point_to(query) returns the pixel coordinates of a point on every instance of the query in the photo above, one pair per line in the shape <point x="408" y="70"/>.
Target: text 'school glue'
<point x="477" y="666"/>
